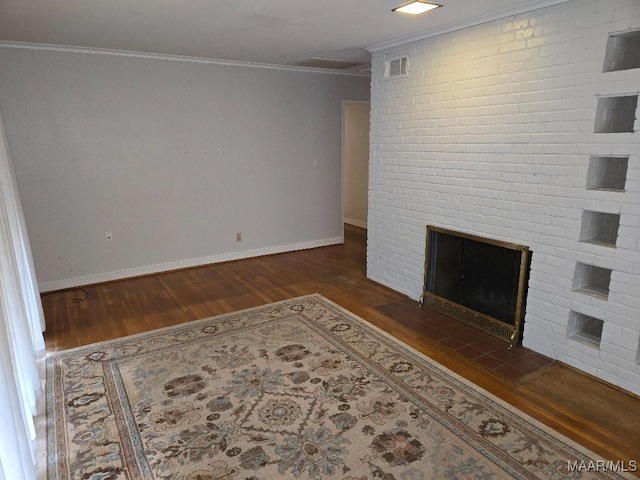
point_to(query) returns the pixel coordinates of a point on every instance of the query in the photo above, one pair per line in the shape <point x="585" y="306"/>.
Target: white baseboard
<point x="355" y="223"/>
<point x="177" y="265"/>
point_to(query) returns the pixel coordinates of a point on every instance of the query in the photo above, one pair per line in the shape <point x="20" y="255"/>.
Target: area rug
<point x="296" y="389"/>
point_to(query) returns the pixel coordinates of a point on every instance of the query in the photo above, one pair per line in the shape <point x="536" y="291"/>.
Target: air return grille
<point x="397" y="67"/>
<point x="326" y="63"/>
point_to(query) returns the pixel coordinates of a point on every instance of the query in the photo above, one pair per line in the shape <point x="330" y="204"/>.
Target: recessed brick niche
<point x="607" y="173"/>
<point x="592" y="280"/>
<point x="600" y="228"/>
<point x="616" y="114"/>
<point x="623" y="52"/>
<point x="585" y="328"/>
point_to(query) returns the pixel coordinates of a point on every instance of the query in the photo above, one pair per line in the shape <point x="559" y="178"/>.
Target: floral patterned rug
<point x="297" y="389"/>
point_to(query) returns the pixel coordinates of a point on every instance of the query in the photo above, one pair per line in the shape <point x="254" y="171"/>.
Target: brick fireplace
<point x="522" y="128"/>
<point x="479" y="281"/>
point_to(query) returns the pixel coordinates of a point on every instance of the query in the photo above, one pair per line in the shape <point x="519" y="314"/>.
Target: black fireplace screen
<point x="477" y="280"/>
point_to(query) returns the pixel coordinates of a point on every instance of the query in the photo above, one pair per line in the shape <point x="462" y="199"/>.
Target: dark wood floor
<point x="596" y="415"/>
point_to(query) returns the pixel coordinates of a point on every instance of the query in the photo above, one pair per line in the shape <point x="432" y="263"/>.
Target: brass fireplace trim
<point x="493" y="326"/>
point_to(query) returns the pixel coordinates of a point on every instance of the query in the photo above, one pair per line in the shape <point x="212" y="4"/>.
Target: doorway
<point x="355" y="162"/>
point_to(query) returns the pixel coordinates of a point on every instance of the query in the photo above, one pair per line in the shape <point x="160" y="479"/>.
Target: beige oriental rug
<point x="295" y="390"/>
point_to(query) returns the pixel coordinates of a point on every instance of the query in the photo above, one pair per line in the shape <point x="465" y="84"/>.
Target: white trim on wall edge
<point x="176" y="58"/>
<point x="355" y="223"/>
<point x="180" y="264"/>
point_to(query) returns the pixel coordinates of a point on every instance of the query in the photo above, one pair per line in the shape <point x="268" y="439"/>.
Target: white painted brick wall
<point x="491" y="133"/>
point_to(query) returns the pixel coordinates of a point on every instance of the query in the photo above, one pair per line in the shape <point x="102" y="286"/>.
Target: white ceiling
<point x="277" y="32"/>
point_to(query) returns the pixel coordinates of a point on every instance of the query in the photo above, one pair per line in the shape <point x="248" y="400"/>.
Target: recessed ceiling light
<point x="416" y="7"/>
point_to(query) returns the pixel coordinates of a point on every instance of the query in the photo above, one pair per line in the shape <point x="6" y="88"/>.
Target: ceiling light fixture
<point x="416" y="7"/>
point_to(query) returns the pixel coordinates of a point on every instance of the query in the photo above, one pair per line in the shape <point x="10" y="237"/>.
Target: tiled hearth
<point x="482" y="348"/>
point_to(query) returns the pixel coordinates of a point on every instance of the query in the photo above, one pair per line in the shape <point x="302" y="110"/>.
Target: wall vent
<point x="397" y="67"/>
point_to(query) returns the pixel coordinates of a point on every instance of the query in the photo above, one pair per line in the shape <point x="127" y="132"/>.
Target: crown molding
<point x="175" y="58"/>
<point x="507" y="12"/>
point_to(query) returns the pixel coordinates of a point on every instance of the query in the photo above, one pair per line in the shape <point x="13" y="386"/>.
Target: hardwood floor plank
<point x="338" y="272"/>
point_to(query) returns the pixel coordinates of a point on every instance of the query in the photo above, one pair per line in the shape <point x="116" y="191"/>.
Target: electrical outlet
<point x="239" y="237"/>
<point x="316" y="163"/>
<point x="108" y="237"/>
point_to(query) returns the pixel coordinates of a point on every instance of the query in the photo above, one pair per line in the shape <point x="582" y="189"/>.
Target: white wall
<point x="491" y="134"/>
<point x="356" y="163"/>
<point x="172" y="157"/>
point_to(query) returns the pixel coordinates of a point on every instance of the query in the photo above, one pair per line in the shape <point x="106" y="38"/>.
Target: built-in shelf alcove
<point x="599" y="228"/>
<point x="616" y="114"/>
<point x="591" y="280"/>
<point x="607" y="173"/>
<point x="585" y="328"/>
<point x="623" y="52"/>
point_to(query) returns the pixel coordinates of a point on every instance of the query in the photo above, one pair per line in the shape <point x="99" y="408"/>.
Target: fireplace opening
<point x="477" y="280"/>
